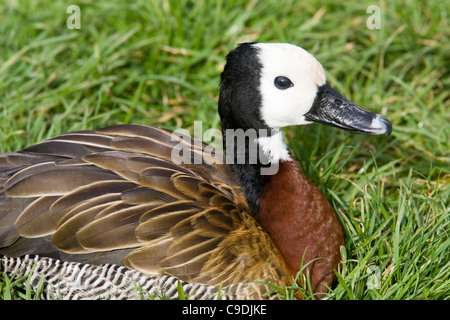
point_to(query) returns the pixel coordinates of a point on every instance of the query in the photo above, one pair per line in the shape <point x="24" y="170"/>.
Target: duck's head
<point x="273" y="85"/>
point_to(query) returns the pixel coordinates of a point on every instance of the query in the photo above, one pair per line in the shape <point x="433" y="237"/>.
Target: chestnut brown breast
<point x="300" y="221"/>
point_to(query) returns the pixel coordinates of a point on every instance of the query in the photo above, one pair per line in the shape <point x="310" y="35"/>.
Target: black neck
<point x="239" y="109"/>
<point x="247" y="168"/>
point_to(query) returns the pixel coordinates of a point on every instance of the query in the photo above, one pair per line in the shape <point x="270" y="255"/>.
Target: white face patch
<point x="286" y="107"/>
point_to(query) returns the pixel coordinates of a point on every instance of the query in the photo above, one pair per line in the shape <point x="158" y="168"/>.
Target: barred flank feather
<point x="76" y="281"/>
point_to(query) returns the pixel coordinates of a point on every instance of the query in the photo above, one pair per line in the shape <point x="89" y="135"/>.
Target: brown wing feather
<point x="34" y="220"/>
<point x="116" y="193"/>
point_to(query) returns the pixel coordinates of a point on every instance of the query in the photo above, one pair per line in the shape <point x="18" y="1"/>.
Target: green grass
<point x="19" y="288"/>
<point x="158" y="63"/>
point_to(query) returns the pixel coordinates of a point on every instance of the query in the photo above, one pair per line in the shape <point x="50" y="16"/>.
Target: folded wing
<point x="115" y="196"/>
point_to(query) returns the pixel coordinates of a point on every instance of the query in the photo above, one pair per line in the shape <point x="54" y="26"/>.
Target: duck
<point x="246" y="214"/>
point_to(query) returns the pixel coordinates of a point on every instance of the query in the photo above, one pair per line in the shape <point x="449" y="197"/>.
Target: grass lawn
<point x="158" y="63"/>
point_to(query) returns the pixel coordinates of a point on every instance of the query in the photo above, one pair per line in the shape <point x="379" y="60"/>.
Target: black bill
<point x="332" y="109"/>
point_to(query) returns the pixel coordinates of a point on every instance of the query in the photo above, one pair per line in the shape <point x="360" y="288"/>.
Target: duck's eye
<point x="283" y="83"/>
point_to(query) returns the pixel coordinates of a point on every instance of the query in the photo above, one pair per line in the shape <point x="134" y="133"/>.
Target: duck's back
<point x="115" y="196"/>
